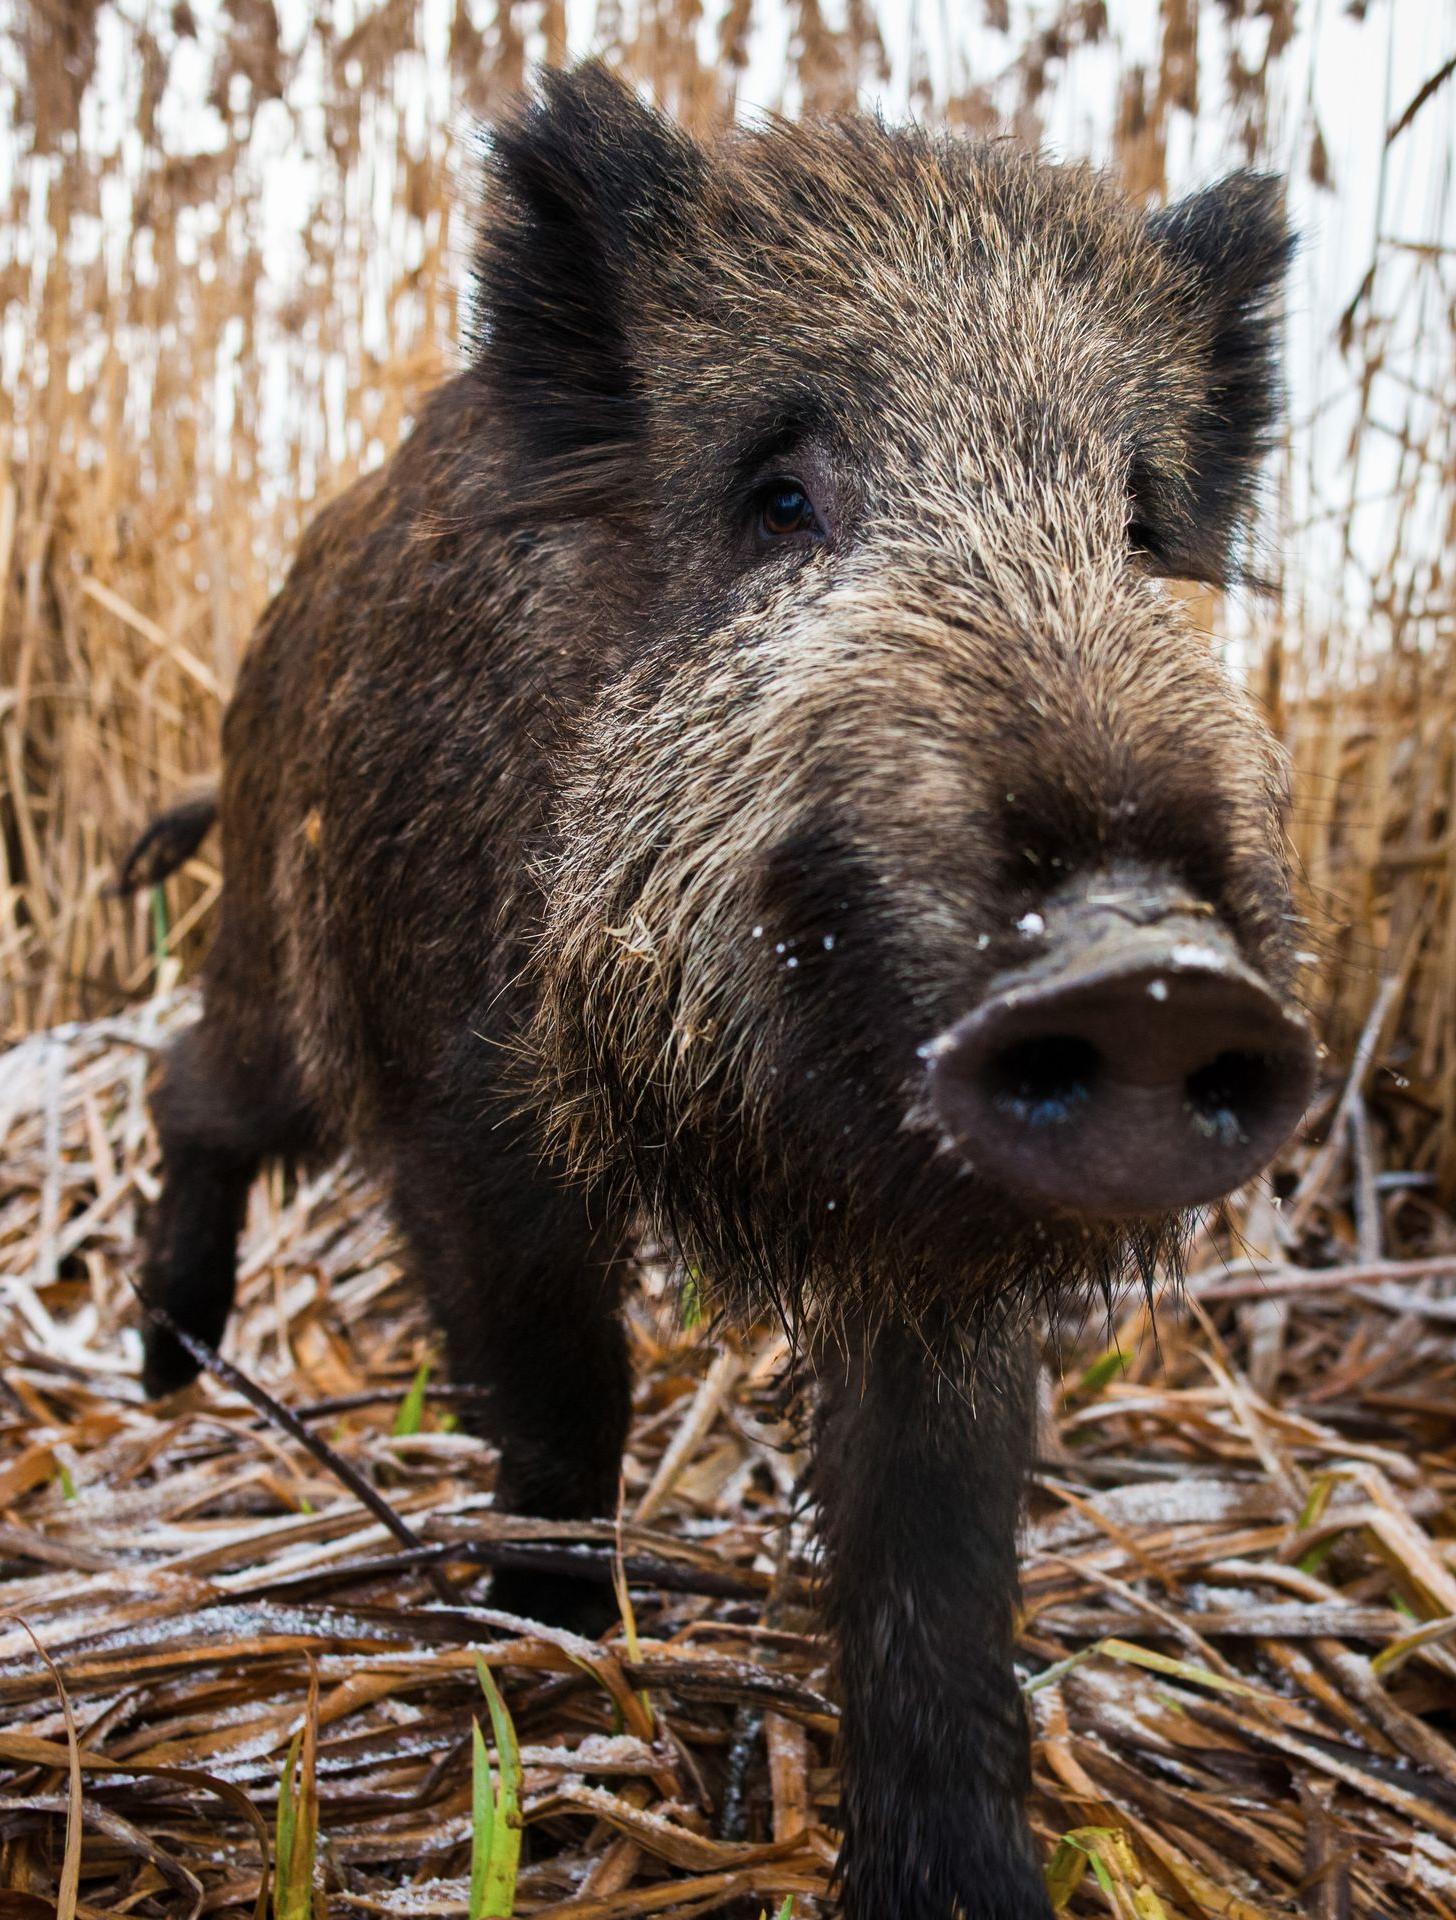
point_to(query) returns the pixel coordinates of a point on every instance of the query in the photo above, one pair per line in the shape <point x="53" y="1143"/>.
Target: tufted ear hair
<point x="1229" y="248"/>
<point x="586" y="188"/>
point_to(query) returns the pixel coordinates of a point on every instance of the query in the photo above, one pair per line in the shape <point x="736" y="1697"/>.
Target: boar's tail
<point x="174" y="836"/>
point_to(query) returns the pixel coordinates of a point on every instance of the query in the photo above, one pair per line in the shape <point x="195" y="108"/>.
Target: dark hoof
<point x="555" y="1600"/>
<point x="166" y="1363"/>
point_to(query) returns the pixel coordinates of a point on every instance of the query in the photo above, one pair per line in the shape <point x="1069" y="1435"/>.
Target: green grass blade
<point x="411" y="1415"/>
<point x="499" y="1900"/>
<point x="1105" y="1368"/>
<point x="482" y="1822"/>
<point x="295" y="1840"/>
<point x="1132" y="1655"/>
<point x="287" y="1807"/>
<point x="1064" y="1871"/>
<point x="159" y="926"/>
<point x="296" y="1834"/>
<point x="1110" y="1855"/>
<point x="690" y="1299"/>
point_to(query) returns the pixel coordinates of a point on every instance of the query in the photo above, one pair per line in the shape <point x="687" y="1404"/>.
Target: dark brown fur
<point x="171" y="838"/>
<point x="585" y="862"/>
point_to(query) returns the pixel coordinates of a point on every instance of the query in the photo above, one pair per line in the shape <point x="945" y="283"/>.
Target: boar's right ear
<point x="1229" y="247"/>
<point x="585" y="188"/>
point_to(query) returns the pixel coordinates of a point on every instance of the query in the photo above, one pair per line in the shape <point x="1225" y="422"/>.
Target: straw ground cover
<point x="1240" y="1583"/>
<point x="1240" y="1570"/>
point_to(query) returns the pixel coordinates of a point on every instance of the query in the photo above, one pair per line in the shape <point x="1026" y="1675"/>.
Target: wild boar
<point x="739" y="767"/>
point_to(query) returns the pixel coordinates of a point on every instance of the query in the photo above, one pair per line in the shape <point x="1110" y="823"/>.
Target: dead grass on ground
<point x="1240" y="1572"/>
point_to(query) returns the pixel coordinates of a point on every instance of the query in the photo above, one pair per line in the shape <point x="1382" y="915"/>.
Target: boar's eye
<point x="784" y="511"/>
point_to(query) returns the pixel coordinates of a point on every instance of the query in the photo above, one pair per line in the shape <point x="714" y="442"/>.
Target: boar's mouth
<point x="1131" y="1070"/>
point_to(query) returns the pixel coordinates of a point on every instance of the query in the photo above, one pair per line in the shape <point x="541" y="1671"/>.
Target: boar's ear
<point x="1229" y="247"/>
<point x="585" y="189"/>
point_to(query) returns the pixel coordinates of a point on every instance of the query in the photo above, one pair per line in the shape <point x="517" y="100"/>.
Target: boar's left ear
<point x="1229" y="246"/>
<point x="585" y="189"/>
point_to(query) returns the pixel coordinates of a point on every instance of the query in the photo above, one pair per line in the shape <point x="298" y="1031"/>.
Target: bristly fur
<point x="590" y="858"/>
<point x="581" y="185"/>
<point x="1232" y="241"/>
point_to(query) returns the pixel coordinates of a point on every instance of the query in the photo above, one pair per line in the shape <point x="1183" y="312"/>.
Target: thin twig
<point x="280" y="1416"/>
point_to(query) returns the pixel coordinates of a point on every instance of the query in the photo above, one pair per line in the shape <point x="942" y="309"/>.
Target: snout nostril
<point x="1133" y="1066"/>
<point x="1043" y="1081"/>
<point x="1231" y="1094"/>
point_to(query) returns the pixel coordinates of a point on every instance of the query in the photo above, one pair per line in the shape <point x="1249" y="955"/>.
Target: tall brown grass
<point x="179" y="391"/>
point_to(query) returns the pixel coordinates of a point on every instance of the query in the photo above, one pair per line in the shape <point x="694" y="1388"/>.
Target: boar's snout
<point x="1138" y="1066"/>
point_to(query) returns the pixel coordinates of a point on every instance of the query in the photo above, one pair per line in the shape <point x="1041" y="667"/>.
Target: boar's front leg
<point x="921" y="1463"/>
<point x="526" y="1283"/>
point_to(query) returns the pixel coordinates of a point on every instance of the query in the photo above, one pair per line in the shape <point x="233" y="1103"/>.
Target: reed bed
<point x="1240" y="1573"/>
<point x="238" y="1658"/>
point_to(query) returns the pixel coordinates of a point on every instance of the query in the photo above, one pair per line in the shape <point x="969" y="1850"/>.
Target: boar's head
<point x="916" y="917"/>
